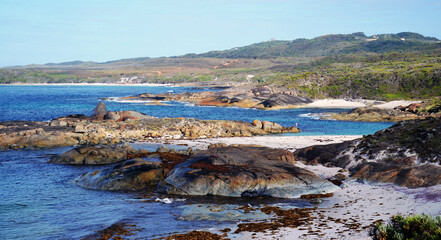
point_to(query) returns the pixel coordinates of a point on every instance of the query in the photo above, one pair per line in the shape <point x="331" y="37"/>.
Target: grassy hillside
<point x="328" y="45"/>
<point x="384" y="77"/>
<point x="385" y="66"/>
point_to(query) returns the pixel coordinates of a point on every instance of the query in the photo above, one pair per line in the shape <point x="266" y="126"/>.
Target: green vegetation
<point x="408" y="135"/>
<point x="384" y="67"/>
<point x="417" y="227"/>
<point x="10" y="75"/>
<point x="327" y="45"/>
<point x="391" y="76"/>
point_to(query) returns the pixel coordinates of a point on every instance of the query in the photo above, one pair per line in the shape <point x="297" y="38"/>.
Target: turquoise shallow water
<point x="40" y="201"/>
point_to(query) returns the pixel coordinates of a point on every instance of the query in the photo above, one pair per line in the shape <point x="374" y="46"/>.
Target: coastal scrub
<point x="408" y="227"/>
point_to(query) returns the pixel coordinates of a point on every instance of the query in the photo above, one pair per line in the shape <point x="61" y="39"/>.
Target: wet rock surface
<point x="233" y="171"/>
<point x="243" y="171"/>
<point x="144" y="169"/>
<point x="131" y="175"/>
<point x="407" y="154"/>
<point x="94" y="155"/>
<point x="115" y="231"/>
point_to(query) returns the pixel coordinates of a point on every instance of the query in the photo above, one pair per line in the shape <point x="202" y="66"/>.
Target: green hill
<point x="384" y="66"/>
<point x="327" y="45"/>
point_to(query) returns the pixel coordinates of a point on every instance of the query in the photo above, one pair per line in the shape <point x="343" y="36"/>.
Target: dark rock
<point x="340" y="177"/>
<point x="405" y="175"/>
<point x="217" y="145"/>
<point x="280" y="100"/>
<point x="130" y="175"/>
<point x="261" y="98"/>
<point x="100" y="110"/>
<point x="243" y="171"/>
<point x="372" y="114"/>
<point x="262" y="91"/>
<point x="124" y="116"/>
<point x="112" y="115"/>
<point x="78" y="116"/>
<point x="322" y="154"/>
<point x="163" y="149"/>
<point x="93" y="155"/>
<point x="132" y="115"/>
<point x="407" y="154"/>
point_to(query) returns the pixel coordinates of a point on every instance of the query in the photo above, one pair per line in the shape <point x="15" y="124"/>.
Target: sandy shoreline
<point x="361" y="204"/>
<point x="320" y="103"/>
<point x="356" y="103"/>
<point x="286" y="142"/>
<point x="352" y="209"/>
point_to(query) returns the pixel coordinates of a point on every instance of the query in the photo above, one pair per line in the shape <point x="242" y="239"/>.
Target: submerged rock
<point x="93" y="155"/>
<point x="225" y="212"/>
<point x="243" y="171"/>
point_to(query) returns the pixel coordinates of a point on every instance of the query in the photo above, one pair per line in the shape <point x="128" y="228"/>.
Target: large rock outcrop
<point x="131" y="175"/>
<point x="261" y="98"/>
<point x="243" y="171"/>
<point x="94" y="155"/>
<point x="407" y="154"/>
<point x="118" y="127"/>
<point x="99" y="111"/>
<point x="124" y="115"/>
<point x="372" y="114"/>
<point x="427" y="108"/>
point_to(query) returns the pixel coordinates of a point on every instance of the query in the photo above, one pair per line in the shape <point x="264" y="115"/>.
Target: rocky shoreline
<point x="229" y="171"/>
<point x="259" y="98"/>
<point x="266" y="98"/>
<point x="406" y="154"/>
<point x="425" y="109"/>
<point x="109" y="127"/>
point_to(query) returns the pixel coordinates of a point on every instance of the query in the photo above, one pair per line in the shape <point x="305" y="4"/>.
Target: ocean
<point x="41" y="201"/>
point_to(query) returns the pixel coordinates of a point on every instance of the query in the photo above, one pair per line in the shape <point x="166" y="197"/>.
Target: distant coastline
<point x="90" y="84"/>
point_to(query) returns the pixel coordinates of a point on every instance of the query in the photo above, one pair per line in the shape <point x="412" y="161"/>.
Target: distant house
<point x="374" y="38"/>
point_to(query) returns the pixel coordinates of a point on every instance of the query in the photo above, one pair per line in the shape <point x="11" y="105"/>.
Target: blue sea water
<point x="40" y="200"/>
<point x="43" y="103"/>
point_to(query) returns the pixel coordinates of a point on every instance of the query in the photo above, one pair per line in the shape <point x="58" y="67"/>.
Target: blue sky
<point x="43" y="31"/>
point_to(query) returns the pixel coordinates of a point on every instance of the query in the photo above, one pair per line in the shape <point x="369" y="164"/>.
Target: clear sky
<point x="43" y="31"/>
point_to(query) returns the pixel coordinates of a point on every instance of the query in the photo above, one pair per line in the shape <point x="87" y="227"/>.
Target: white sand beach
<point x="393" y="104"/>
<point x="335" y="103"/>
<point x="291" y="143"/>
<point x="358" y="205"/>
<point x="355" y="103"/>
<point x="352" y="209"/>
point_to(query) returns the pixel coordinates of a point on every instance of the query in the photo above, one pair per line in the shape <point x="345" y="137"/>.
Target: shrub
<point x="417" y="227"/>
